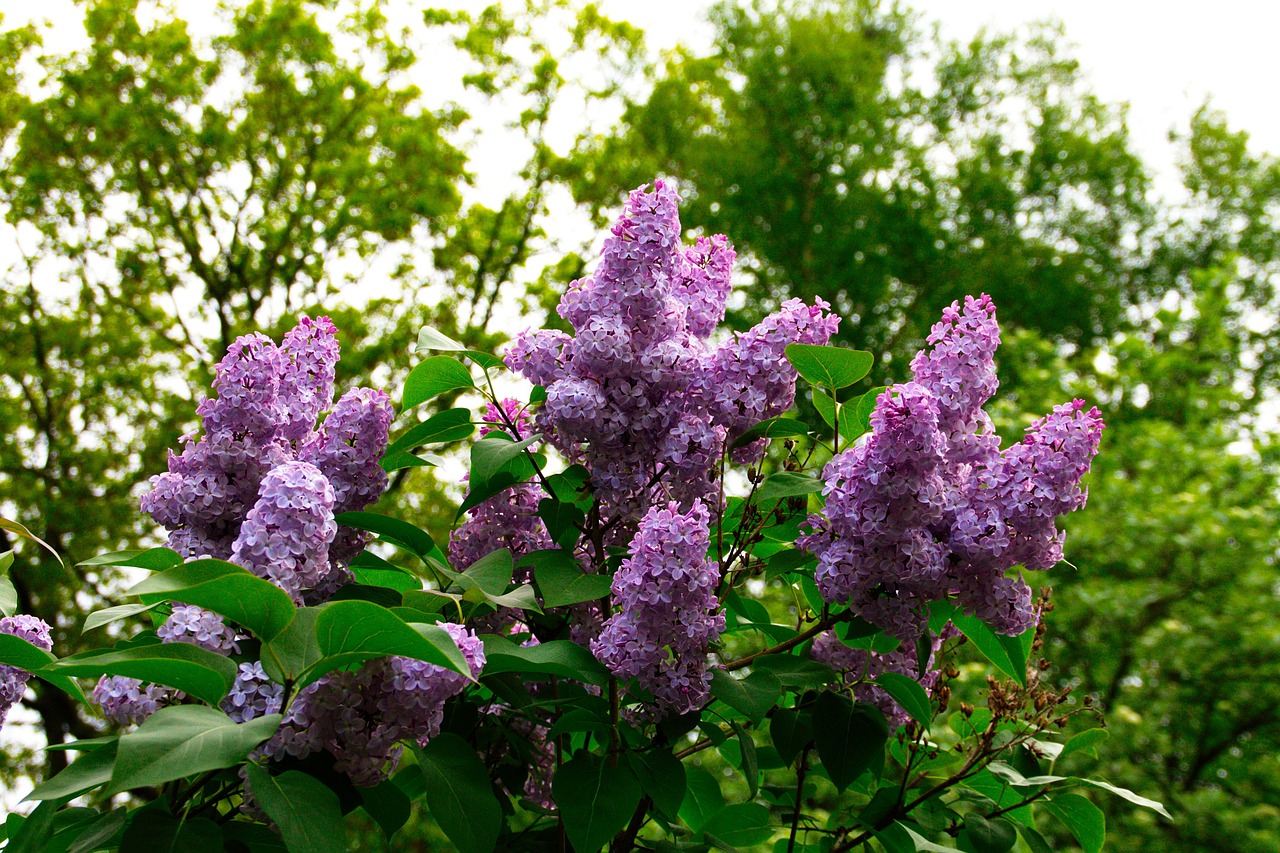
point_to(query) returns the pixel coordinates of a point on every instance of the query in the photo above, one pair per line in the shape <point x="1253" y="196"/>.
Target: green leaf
<point x="398" y="461"/>
<point x="563" y="658"/>
<point x="702" y="798"/>
<point x="6" y="562"/>
<point x="19" y="530"/>
<point x="394" y="531"/>
<point x="561" y="581"/>
<point x="84" y="774"/>
<point x="431" y="378"/>
<point x="348" y="632"/>
<point x="1082" y="818"/>
<point x="307" y="812"/>
<point x="662" y="777"/>
<point x="796" y="673"/>
<point x="753" y="695"/>
<point x="34" y="832"/>
<point x="779" y="427"/>
<point x="432" y="339"/>
<point x="198" y="672"/>
<point x="183" y="740"/>
<point x="859" y="414"/>
<point x="829" y="366"/>
<point x="152" y="559"/>
<point x="1126" y="794"/>
<point x="114" y="614"/>
<point x="153" y="830"/>
<point x="750" y="762"/>
<point x="990" y="836"/>
<point x="1008" y="654"/>
<point x="908" y="693"/>
<point x="849" y="737"/>
<point x="787" y="484"/>
<point x="1083" y="742"/>
<point x="459" y="793"/>
<point x="486" y="360"/>
<point x="226" y="589"/>
<point x="1035" y="841"/>
<point x="8" y="596"/>
<point x="596" y="800"/>
<point x="16" y="651"/>
<point x="287" y="656"/>
<point x="449" y="425"/>
<point x="739" y="825"/>
<point x="491" y="454"/>
<point x="791" y="731"/>
<point x="899" y="836"/>
<point x="826" y="407"/>
<point x="102" y="833"/>
<point x="563" y="521"/>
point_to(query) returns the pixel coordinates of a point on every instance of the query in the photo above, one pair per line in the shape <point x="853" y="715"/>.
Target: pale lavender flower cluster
<point x="930" y="508"/>
<point x="669" y="614"/>
<point x="127" y="700"/>
<point x="13" y="681"/>
<point x="361" y="717"/>
<point x="252" y="695"/>
<point x="259" y="444"/>
<point x="195" y="625"/>
<point x="636" y="394"/>
<point x="860" y="667"/>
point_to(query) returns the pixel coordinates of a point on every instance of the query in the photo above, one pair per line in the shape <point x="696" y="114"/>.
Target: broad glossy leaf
<point x="829" y="366"/>
<point x="990" y="836"/>
<point x="84" y="774"/>
<point x="394" y="531"/>
<point x="662" y="777"/>
<point x="562" y="658"/>
<point x="796" y="673"/>
<point x="198" y="672"/>
<point x="183" y="740"/>
<point x="432" y="377"/>
<point x="114" y="614"/>
<point x="908" y="693"/>
<point x="226" y="589"/>
<point x="849" y="737"/>
<point x="348" y="632"/>
<point x="459" y="793"/>
<point x="15" y="651"/>
<point x="791" y="731"/>
<point x="388" y="805"/>
<point x="786" y="484"/>
<point x="152" y="559"/>
<point x="739" y="825"/>
<point x="753" y="695"/>
<point x="1082" y="818"/>
<point x="702" y="798"/>
<point x="779" y="427"/>
<point x="491" y="454"/>
<point x="287" y="656"/>
<point x="307" y="812"/>
<point x="449" y="425"/>
<point x="596" y="799"/>
<point x="1009" y="654"/>
<point x="561" y="581"/>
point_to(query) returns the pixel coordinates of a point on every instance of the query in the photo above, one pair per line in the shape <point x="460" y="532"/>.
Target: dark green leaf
<point x="702" y="798"/>
<point x="153" y="830"/>
<point x="183" y="740"/>
<point x="826" y="407"/>
<point x="780" y="427"/>
<point x="19" y="530"/>
<point x="288" y="655"/>
<point x="401" y="459"/>
<point x="739" y="825"/>
<point x="990" y="836"/>
<point x="795" y="673"/>
<point x="459" y="794"/>
<point x="750" y="762"/>
<point x="102" y="833"/>
<point x="431" y="378"/>
<point x="1083" y="742"/>
<point x="201" y="673"/>
<point x="829" y="366"/>
<point x="449" y="425"/>
<point x="848" y="737"/>
<point x="306" y="811"/>
<point x="563" y="521"/>
<point x="596" y="800"/>
<point x="662" y="777"/>
<point x="84" y="774"/>
<point x="791" y="731"/>
<point x="555" y="657"/>
<point x="15" y="651"/>
<point x="787" y="484"/>
<point x="1007" y="653"/>
<point x="399" y="533"/>
<point x="226" y="589"/>
<point x="113" y="614"/>
<point x="491" y="454"/>
<point x="348" y="632"/>
<point x="1082" y="818"/>
<point x="908" y="693"/>
<point x="561" y="581"/>
<point x="1035" y="841"/>
<point x="152" y="559"/>
<point x="34" y="832"/>
<point x="753" y="695"/>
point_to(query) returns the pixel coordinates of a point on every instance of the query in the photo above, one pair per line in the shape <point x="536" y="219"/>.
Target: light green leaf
<point x="1126" y="794"/>
<point x="1083" y="742"/>
<point x="114" y="614"/>
<point x="787" y="484"/>
<point x="433" y="339"/>
<point x="152" y="559"/>
<point x="19" y="530"/>
<point x="8" y="596"/>
<point x="183" y="740"/>
<point x="829" y="366"/>
<point x="449" y="425"/>
<point x="431" y="378"/>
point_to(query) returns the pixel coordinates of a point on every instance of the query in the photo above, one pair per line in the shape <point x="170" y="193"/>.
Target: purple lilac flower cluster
<point x="13" y="681"/>
<point x="930" y="508"/>
<point x="637" y="394"/>
<point x="361" y="717"/>
<point x="860" y="667"/>
<point x="669" y="614"/>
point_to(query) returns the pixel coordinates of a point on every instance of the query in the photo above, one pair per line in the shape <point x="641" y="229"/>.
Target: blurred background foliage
<point x="165" y="190"/>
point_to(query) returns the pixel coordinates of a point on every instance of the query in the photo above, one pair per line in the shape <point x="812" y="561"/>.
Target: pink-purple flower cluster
<point x="360" y="717"/>
<point x="929" y="508"/>
<point x="637" y="394"/>
<point x="669" y="613"/>
<point x="860" y="667"/>
<point x="13" y="681"/>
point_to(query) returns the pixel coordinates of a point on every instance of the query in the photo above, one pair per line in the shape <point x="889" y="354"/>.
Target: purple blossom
<point x="127" y="701"/>
<point x="200" y="627"/>
<point x="349" y="445"/>
<point x="669" y="614"/>
<point x="509" y="520"/>
<point x="252" y="695"/>
<point x="247" y="382"/>
<point x="310" y="351"/>
<point x="859" y="667"/>
<point x="13" y="681"/>
<point x="929" y="508"/>
<point x="285" y="537"/>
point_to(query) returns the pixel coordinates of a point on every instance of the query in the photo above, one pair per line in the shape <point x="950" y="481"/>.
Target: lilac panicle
<point x="349" y="445"/>
<point x="361" y="717"/>
<point x="128" y="701"/>
<point x="929" y="508"/>
<point x="252" y="695"/>
<point x="13" y="681"/>
<point x="247" y="382"/>
<point x="200" y="627"/>
<point x="285" y="537"/>
<point x="310" y="351"/>
<point x="669" y="614"/>
<point x="860" y="667"/>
